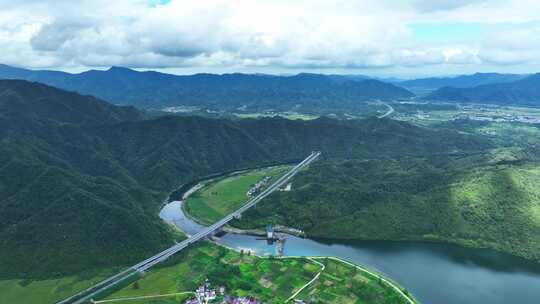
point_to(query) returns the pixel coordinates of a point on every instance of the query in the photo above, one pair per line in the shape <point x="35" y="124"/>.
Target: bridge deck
<point x="87" y="295"/>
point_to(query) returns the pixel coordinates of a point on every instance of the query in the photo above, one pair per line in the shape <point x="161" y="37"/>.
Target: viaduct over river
<point x="87" y="295"/>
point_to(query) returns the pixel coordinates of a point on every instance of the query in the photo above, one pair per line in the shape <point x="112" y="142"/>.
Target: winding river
<point x="434" y="273"/>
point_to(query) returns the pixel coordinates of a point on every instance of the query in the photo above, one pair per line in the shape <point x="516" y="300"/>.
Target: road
<point x="390" y="110"/>
<point x="395" y="286"/>
<point x="88" y="294"/>
<point x="323" y="267"/>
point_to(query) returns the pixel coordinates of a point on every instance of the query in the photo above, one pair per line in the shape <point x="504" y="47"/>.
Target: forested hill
<point x="522" y="92"/>
<point x="462" y="81"/>
<point x="152" y="89"/>
<point x="39" y="101"/>
<point x="156" y="148"/>
<point x="75" y="196"/>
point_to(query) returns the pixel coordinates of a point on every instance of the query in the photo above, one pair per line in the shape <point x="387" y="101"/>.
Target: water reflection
<point x="487" y="258"/>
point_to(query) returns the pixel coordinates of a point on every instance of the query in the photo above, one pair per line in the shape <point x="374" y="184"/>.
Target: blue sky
<point x="449" y="32"/>
<point x="464" y="32"/>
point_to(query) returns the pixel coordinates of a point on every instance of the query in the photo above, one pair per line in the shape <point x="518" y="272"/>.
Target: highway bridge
<point x="87" y="295"/>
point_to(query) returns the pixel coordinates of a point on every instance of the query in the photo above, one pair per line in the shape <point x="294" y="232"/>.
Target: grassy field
<point x="271" y="280"/>
<point x="217" y="199"/>
<point x="48" y="291"/>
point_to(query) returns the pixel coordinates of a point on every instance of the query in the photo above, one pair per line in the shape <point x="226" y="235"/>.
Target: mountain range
<point x="525" y="91"/>
<point x="152" y="89"/>
<point x="461" y="81"/>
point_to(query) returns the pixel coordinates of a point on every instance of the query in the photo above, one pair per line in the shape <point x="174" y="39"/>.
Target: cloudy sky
<point x="402" y="38"/>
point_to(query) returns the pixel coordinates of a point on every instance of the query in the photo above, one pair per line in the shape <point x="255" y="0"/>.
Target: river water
<point x="434" y="273"/>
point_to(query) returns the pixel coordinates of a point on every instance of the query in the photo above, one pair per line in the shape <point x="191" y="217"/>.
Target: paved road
<point x="390" y="110"/>
<point x="87" y="295"/>
<point x="323" y="267"/>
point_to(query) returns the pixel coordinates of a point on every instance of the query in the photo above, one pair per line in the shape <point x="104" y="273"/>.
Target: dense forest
<point x="81" y="180"/>
<point x="486" y="198"/>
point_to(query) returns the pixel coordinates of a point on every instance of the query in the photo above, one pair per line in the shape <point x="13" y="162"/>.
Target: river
<point x="434" y="273"/>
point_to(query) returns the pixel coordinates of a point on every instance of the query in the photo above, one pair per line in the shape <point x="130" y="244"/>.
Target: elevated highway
<point x="87" y="295"/>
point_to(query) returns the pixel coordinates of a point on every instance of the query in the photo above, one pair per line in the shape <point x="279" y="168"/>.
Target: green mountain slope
<point x="488" y="199"/>
<point x="83" y="189"/>
<point x="38" y="101"/>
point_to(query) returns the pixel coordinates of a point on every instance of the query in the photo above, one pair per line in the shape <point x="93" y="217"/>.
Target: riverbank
<point x="269" y="279"/>
<point x="405" y="294"/>
<point x="323" y="262"/>
<point x="382" y="282"/>
<point x="421" y="267"/>
<point x="209" y="200"/>
<point x="234" y="197"/>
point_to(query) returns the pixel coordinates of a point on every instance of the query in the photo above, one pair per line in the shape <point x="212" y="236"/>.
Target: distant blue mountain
<point x="525" y="91"/>
<point x="150" y="89"/>
<point x="463" y="81"/>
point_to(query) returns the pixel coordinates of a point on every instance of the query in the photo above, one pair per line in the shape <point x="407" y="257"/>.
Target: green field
<point x="50" y="290"/>
<point x="344" y="284"/>
<point x="220" y="197"/>
<point x="271" y="280"/>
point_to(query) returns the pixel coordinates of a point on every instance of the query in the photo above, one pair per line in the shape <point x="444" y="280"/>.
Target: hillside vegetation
<point x="82" y="189"/>
<point x="486" y="199"/>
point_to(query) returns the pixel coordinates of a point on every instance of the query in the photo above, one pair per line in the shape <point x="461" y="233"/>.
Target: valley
<point x="391" y="171"/>
<point x="378" y="289"/>
<point x="262" y="152"/>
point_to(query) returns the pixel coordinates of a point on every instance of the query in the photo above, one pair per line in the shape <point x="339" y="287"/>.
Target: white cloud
<point x="513" y="47"/>
<point x="258" y="35"/>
